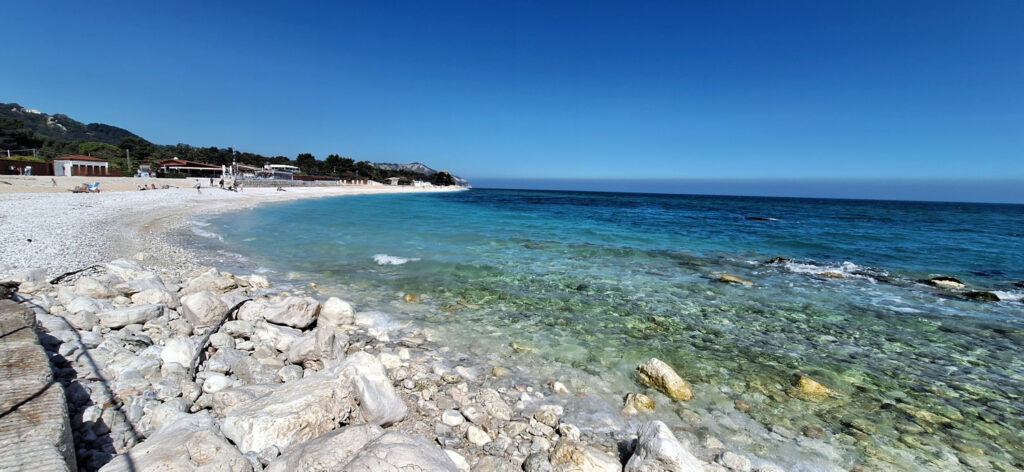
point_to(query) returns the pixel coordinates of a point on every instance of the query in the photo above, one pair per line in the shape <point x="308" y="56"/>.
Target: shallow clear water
<point x="582" y="287"/>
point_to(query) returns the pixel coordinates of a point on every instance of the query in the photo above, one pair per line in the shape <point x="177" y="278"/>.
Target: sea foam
<point x="384" y="259"/>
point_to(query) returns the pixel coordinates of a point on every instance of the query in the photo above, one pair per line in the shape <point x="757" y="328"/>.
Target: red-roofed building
<point x="80" y="165"/>
<point x="191" y="168"/>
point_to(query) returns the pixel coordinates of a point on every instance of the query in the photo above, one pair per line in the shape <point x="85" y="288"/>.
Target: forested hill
<point x="64" y="128"/>
<point x="32" y="135"/>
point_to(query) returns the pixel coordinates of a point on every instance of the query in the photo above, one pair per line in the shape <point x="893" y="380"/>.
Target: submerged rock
<point x="661" y="376"/>
<point x="981" y="296"/>
<point x="779" y="260"/>
<point x="806" y="388"/>
<point x="657" y="449"/>
<point x="635" y="403"/>
<point x="729" y="279"/>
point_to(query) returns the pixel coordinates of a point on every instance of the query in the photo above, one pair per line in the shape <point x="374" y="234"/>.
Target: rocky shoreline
<point x="292" y="382"/>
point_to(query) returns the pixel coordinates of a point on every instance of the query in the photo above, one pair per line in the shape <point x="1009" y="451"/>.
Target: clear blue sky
<point x="498" y="91"/>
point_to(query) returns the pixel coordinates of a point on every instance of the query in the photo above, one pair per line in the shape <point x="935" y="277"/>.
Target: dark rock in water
<point x="981" y="296"/>
<point x="1019" y="284"/>
<point x="944" y="282"/>
<point x="779" y="260"/>
<point x="814" y="432"/>
<point x="760" y="218"/>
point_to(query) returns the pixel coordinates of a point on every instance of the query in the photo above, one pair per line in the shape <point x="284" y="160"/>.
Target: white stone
<point x="335" y="312"/>
<point x="189" y="443"/>
<point x="222" y="340"/>
<point x="154" y="296"/>
<point x="459" y="460"/>
<point x="87" y="305"/>
<point x="128" y="270"/>
<point x="378" y="402"/>
<point x="390" y="361"/>
<point x="92" y="287"/>
<point x="293" y="413"/>
<point x="297" y="312"/>
<point x="179" y="350"/>
<point x="138" y="314"/>
<point x="657" y="449"/>
<point x="735" y="461"/>
<point x="560" y="388"/>
<point x="216" y="382"/>
<point x="203" y="309"/>
<point x="328" y="452"/>
<point x="397" y="452"/>
<point x="452" y="418"/>
<point x="477" y="436"/>
<point x="576" y="456"/>
<point x="281" y="337"/>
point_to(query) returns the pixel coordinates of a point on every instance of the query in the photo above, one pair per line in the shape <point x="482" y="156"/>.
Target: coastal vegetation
<point x="30" y="133"/>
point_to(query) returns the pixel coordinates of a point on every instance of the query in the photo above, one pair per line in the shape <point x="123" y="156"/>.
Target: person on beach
<point x="54" y="181"/>
<point x="199" y="184"/>
<point x="221" y="183"/>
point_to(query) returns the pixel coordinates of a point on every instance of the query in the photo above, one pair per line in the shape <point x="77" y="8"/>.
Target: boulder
<point x="281" y="337"/>
<point x="335" y="312"/>
<point x="128" y="270"/>
<point x="945" y="282"/>
<point x="575" y="456"/>
<point x="981" y="296"/>
<point x="397" y="452"/>
<point x="188" y="443"/>
<point x="179" y="350"/>
<point x="252" y="372"/>
<point x="806" y="388"/>
<point x="226" y="400"/>
<point x="297" y="312"/>
<point x="132" y="287"/>
<point x="88" y="304"/>
<point x="378" y="402"/>
<point x="214" y="283"/>
<point x="153" y="296"/>
<point x="661" y="376"/>
<point x="326" y="453"/>
<point x="293" y="413"/>
<point x="130" y="315"/>
<point x="315" y="345"/>
<point x="657" y="449"/>
<point x="92" y="287"/>
<point x="203" y="309"/>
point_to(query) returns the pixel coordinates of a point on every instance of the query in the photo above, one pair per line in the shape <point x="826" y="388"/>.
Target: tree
<point x="307" y="163"/>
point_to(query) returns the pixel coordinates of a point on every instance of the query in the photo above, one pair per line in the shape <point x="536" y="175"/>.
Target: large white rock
<point x="203" y="308"/>
<point x="575" y="456"/>
<point x="397" y="452"/>
<point x="226" y="400"/>
<point x="88" y="305"/>
<point x="130" y="315"/>
<point x="293" y="413"/>
<point x="297" y="312"/>
<point x="335" y="312"/>
<point x="314" y="345"/>
<point x="152" y="296"/>
<point x="378" y="402"/>
<point x="179" y="350"/>
<point x="128" y="270"/>
<point x="132" y="287"/>
<point x="210" y="282"/>
<point x="92" y="287"/>
<point x="281" y="337"/>
<point x="328" y="452"/>
<point x="188" y="443"/>
<point x="252" y="311"/>
<point x="657" y="449"/>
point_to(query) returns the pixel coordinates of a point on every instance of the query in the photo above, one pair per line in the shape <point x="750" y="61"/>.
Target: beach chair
<point x="94" y="188"/>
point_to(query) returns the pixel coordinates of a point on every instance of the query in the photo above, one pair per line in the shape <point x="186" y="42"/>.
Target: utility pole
<point x="128" y="152"/>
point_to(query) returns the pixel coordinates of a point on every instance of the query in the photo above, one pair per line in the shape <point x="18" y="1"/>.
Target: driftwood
<point x="206" y="339"/>
<point x="68" y="274"/>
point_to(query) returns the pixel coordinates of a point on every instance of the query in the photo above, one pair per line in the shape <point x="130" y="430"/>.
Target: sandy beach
<point x="46" y="226"/>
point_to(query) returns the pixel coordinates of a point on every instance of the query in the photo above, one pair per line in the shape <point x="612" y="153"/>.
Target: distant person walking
<point x="211" y="181"/>
<point x="54" y="181"/>
<point x="221" y="183"/>
<point x="199" y="184"/>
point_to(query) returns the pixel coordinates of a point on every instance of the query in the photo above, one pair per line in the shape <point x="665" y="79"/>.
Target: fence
<point x="13" y="167"/>
<point x="287" y="183"/>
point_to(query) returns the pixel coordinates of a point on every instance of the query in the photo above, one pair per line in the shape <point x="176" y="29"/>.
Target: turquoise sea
<point x="581" y="287"/>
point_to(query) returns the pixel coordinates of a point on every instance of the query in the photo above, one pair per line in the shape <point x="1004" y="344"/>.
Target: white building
<point x="67" y="166"/>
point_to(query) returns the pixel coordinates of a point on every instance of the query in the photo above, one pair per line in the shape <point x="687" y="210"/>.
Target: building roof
<point x="184" y="163"/>
<point x="80" y="158"/>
